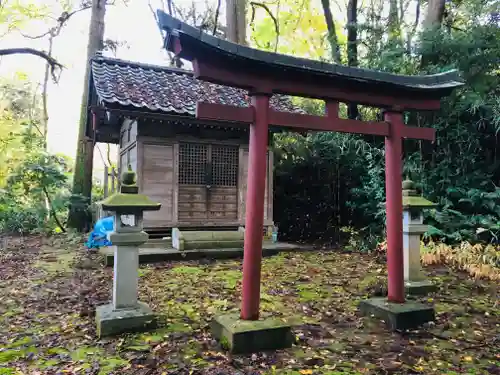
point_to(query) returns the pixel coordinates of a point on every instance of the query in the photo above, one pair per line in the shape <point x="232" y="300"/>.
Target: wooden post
<point x="106" y="177"/>
<point x="394" y="207"/>
<point x="113" y="180"/>
<point x="254" y="219"/>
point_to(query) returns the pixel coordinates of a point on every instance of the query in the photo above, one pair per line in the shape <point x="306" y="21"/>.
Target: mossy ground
<point x="50" y="290"/>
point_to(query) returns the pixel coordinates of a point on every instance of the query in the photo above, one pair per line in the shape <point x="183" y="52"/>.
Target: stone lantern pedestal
<point x="416" y="282"/>
<point x="125" y="313"/>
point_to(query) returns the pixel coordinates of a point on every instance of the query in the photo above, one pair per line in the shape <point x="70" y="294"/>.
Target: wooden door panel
<point x="222" y="203"/>
<point x="192" y="197"/>
<point x="195" y="206"/>
<point x="192" y="202"/>
<point x="193" y="216"/>
<point x="157" y="182"/>
<point x="208" y="177"/>
<point x="224" y="207"/>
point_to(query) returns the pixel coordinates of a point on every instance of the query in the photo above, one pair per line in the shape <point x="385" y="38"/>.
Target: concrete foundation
<point x="247" y="336"/>
<point x="157" y="251"/>
<point x="206" y="239"/>
<point x="398" y="316"/>
<point x="420" y="288"/>
<point x="134" y="319"/>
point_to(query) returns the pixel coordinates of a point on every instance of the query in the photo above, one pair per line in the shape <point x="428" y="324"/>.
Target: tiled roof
<point x="164" y="89"/>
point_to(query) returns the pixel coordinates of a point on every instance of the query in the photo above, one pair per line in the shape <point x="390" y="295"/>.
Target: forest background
<point x="329" y="187"/>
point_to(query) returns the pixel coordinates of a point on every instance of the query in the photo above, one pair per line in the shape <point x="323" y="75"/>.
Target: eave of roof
<point x="201" y="44"/>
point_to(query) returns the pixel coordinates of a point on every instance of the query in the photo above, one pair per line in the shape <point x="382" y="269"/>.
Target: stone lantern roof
<point x="411" y="199"/>
<point x="128" y="200"/>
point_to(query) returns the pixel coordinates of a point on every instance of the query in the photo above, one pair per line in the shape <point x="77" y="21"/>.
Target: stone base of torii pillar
<point x="407" y="314"/>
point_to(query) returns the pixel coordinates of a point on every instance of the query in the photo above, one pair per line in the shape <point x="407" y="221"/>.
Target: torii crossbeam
<point x="264" y="74"/>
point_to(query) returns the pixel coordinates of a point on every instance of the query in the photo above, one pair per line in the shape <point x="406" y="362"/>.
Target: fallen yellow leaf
<point x="468" y="358"/>
<point x="306" y="372"/>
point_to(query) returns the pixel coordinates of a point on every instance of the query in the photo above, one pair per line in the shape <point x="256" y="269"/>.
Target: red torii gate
<point x="264" y="74"/>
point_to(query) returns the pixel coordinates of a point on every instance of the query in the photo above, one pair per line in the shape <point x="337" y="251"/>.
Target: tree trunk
<point x="236" y="21"/>
<point x="332" y="32"/>
<point x="352" y="48"/>
<point x="435" y="14"/>
<point x="432" y="23"/>
<point x="45" y="86"/>
<point x="45" y="118"/>
<point x="82" y="179"/>
<point x="394" y="25"/>
<point x="412" y="32"/>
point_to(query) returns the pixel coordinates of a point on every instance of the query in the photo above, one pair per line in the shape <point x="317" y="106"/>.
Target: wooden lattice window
<point x="193" y="159"/>
<point x="224" y="165"/>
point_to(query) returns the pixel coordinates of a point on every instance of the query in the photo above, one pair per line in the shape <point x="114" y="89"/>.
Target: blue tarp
<point x="99" y="236"/>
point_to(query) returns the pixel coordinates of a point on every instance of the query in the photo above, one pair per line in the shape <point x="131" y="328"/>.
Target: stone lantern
<point x="413" y="228"/>
<point x="126" y="313"/>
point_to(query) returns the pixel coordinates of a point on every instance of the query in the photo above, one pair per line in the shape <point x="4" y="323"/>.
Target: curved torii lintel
<point x="220" y="61"/>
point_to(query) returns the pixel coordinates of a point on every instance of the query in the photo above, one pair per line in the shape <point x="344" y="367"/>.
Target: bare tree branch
<point x="154" y="15"/>
<point x="61" y="21"/>
<point x="170" y="7"/>
<point x="217" y="11"/>
<point x="299" y="18"/>
<point x="275" y="20"/>
<point x="54" y="64"/>
<point x="413" y="30"/>
<point x="31" y="114"/>
<point x="352" y="48"/>
<point x="39" y="36"/>
<point x="52" y="211"/>
<point x="417" y="15"/>
<point x="108" y="154"/>
<point x="174" y="60"/>
<point x="332" y="32"/>
<point x="102" y="156"/>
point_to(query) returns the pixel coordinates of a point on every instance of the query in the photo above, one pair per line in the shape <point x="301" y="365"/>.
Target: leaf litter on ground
<point x="50" y="291"/>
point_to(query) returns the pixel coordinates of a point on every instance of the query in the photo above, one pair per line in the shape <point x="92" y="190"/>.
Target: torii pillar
<point x="254" y="214"/>
<point x="394" y="207"/>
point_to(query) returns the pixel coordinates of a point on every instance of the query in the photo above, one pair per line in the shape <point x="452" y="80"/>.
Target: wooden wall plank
<point x="242" y="183"/>
<point x="175" y="186"/>
<point x="270" y="186"/>
<point x="132" y="157"/>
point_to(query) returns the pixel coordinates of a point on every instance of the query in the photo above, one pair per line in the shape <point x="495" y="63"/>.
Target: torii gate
<point x="263" y="74"/>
